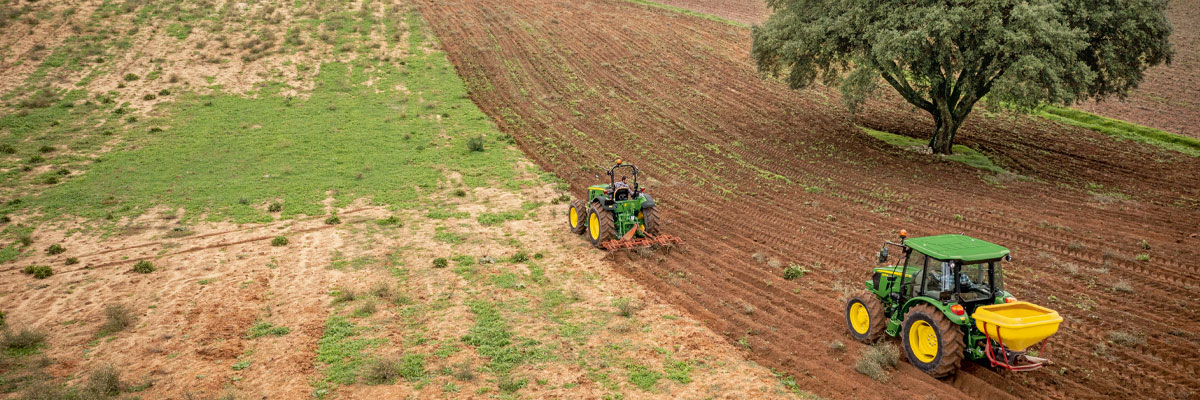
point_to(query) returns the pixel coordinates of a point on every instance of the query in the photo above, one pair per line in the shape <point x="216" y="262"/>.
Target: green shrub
<point x="143" y="267"/>
<point x="279" y="241"/>
<point x="104" y="383"/>
<point x="50" y="180"/>
<point x="149" y="96"/>
<point x="382" y="371"/>
<point x="46" y="149"/>
<point x="475" y="143"/>
<point x="130" y="77"/>
<point x="39" y="271"/>
<point x="625" y="307"/>
<point x="7" y="149"/>
<point x="366" y="309"/>
<point x="794" y="271"/>
<point x="26" y="239"/>
<point x="117" y="318"/>
<point x="392" y="220"/>
<point x="72" y="261"/>
<point x="55" y="249"/>
<point x="460" y="193"/>
<point x="24" y="341"/>
<point x="519" y="257"/>
<point x="440" y="262"/>
<point x="344" y="295"/>
<point x="275" y="207"/>
<point x="333" y="220"/>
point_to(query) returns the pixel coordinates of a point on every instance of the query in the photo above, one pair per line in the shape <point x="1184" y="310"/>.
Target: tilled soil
<point x="755" y="176"/>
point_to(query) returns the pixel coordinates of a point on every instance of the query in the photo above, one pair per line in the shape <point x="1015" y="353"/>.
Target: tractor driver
<point x="617" y="190"/>
<point x="621" y="184"/>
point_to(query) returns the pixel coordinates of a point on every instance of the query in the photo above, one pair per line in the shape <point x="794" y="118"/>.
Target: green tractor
<point x="946" y="302"/>
<point x="618" y="215"/>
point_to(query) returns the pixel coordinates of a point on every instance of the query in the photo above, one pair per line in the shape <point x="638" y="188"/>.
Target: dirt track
<point x="745" y="166"/>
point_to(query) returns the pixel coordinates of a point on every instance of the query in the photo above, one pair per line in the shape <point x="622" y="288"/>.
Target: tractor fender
<point x="945" y="309"/>
<point x="647" y="201"/>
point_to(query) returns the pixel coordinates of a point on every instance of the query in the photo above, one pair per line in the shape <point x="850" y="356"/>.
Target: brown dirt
<point x="744" y="166"/>
<point x="211" y="286"/>
<point x="1168" y="99"/>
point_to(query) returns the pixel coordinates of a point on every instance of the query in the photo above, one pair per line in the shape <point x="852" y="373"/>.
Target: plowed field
<point x="753" y="175"/>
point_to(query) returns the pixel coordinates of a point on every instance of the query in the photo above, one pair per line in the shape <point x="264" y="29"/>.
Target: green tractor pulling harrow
<point x="946" y="301"/>
<point x="619" y="216"/>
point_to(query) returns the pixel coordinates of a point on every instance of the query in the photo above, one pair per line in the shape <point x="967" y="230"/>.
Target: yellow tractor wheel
<point x="931" y="342"/>
<point x="577" y="216"/>
<point x="865" y="317"/>
<point x="601" y="227"/>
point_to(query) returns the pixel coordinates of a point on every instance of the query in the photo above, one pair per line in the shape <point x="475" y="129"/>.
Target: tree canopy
<point x="943" y="56"/>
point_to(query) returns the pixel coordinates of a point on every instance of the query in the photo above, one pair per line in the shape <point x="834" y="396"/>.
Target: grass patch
<point x="492" y="338"/>
<point x="489" y="219"/>
<point x="264" y="328"/>
<point x="340" y="350"/>
<point x="279" y="241"/>
<point x="684" y="11"/>
<point x="962" y="154"/>
<point x="642" y="376"/>
<point x="1122" y="129"/>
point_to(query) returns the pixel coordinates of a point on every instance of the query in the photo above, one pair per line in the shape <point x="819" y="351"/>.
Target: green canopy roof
<point x="957" y="247"/>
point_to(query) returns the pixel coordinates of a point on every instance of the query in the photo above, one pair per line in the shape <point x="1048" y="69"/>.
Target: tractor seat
<point x="621" y="194"/>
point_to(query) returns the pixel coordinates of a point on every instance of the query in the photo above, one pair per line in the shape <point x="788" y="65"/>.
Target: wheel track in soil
<point x="534" y="76"/>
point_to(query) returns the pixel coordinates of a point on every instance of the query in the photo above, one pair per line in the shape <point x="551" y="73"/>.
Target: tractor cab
<point x="946" y="301"/>
<point x="955" y="269"/>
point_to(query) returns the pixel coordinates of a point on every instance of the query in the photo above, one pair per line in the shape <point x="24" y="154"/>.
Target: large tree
<point x="943" y="56"/>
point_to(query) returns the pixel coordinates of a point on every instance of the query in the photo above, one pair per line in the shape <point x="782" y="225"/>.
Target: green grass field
<point x="227" y="156"/>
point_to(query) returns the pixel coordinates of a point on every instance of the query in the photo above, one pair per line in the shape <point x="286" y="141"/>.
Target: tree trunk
<point x="945" y="126"/>
<point x="943" y="136"/>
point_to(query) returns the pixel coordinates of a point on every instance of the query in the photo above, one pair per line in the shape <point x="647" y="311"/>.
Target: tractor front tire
<point x="650" y="215"/>
<point x="577" y="216"/>
<point x="865" y="317"/>
<point x="931" y="342"/>
<point x="601" y="226"/>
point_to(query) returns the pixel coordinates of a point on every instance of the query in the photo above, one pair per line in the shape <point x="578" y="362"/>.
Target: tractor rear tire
<point x="865" y="317"/>
<point x="602" y="227"/>
<point x="931" y="342"/>
<point x="577" y="216"/>
<point x="650" y="215"/>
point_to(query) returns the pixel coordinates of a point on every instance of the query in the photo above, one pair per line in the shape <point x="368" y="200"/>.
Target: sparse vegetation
<point x="25" y="341"/>
<point x="279" y="241"/>
<point x="1126" y="339"/>
<point x="39" y="271"/>
<point x="625" y="307"/>
<point x="440" y="262"/>
<point x="264" y="328"/>
<point x="143" y="267"/>
<point x="794" y="271"/>
<point x="876" y="360"/>
<point x="382" y="371"/>
<point x="117" y="318"/>
<point x="333" y="220"/>
<point x="475" y="144"/>
<point x="275" y="207"/>
<point x="55" y="249"/>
